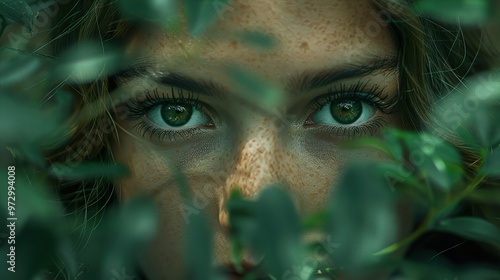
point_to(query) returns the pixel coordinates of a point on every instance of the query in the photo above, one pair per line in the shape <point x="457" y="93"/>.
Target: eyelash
<point x="138" y="107"/>
<point x="362" y="91"/>
<point x="373" y="95"/>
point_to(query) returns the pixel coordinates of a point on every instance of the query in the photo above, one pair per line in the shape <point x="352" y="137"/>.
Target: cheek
<point x="323" y="163"/>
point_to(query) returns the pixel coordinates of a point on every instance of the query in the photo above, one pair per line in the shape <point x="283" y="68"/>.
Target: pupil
<point x="346" y="111"/>
<point x="176" y="115"/>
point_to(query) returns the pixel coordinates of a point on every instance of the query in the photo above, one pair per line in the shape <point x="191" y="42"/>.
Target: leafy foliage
<point x="468" y="12"/>
<point x="17" y="11"/>
<point x="359" y="224"/>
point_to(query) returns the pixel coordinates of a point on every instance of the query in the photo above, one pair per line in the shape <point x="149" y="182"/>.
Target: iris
<point x="176" y="115"/>
<point x="346" y="111"/>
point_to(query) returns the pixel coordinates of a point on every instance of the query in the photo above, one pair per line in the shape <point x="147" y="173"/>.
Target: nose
<point x="259" y="163"/>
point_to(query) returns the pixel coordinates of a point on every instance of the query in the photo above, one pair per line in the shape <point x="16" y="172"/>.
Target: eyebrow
<point x="306" y="81"/>
<point x="171" y="79"/>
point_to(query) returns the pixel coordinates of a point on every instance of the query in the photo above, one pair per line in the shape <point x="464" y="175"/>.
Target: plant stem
<point x="430" y="217"/>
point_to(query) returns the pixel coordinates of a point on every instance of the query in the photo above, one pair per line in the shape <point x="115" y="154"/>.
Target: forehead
<point x="310" y="34"/>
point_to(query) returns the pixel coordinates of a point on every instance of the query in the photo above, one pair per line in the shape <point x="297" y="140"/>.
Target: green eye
<point x="176" y="115"/>
<point x="343" y="112"/>
<point x="346" y="111"/>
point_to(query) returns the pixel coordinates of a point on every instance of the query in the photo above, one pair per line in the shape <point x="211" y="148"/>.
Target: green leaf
<point x="31" y="254"/>
<point x="434" y="159"/>
<point x="472" y="111"/>
<point x="88" y="62"/>
<point x="486" y="196"/>
<point x="471" y="12"/>
<point x="39" y="214"/>
<point x="315" y="221"/>
<point x="201" y="14"/>
<point x="491" y="164"/>
<point x="198" y="249"/>
<point x="163" y="11"/>
<point x="32" y="153"/>
<point x="362" y="215"/>
<point x="121" y="238"/>
<point x="416" y="271"/>
<point x="393" y="139"/>
<point x="29" y="127"/>
<point x="17" y="11"/>
<point x="268" y="226"/>
<point x="237" y="254"/>
<point x="471" y="228"/>
<point x="86" y="170"/>
<point x="259" y="40"/>
<point x="484" y="125"/>
<point x="256" y="90"/>
<point x="16" y="67"/>
<point x="479" y="273"/>
<point x="2" y="25"/>
<point x="442" y="162"/>
<point x="35" y="202"/>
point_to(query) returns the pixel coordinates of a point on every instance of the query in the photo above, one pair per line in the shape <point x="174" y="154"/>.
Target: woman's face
<point x="334" y="62"/>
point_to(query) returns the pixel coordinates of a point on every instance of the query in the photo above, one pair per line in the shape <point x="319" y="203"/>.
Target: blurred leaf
<point x="23" y="121"/>
<point x="486" y="196"/>
<point x="472" y="12"/>
<point x="484" y="125"/>
<point x="441" y="161"/>
<point x="36" y="202"/>
<point x="66" y="254"/>
<point x="315" y="221"/>
<point x="237" y="254"/>
<point x="491" y="164"/>
<point x="269" y="226"/>
<point x="17" y="11"/>
<point x="31" y="254"/>
<point x="258" y="40"/>
<point x="393" y="139"/>
<point x="86" y="170"/>
<point x="471" y="228"/>
<point x="416" y="271"/>
<point x="32" y="153"/>
<point x="88" y="62"/>
<point x="397" y="176"/>
<point x="121" y="238"/>
<point x="255" y="90"/>
<point x="362" y="215"/>
<point x="2" y="25"/>
<point x="479" y="273"/>
<point x="434" y="159"/>
<point x="150" y="10"/>
<point x="16" y="67"/>
<point x="472" y="111"/>
<point x="201" y="14"/>
<point x="28" y="128"/>
<point x="39" y="214"/>
<point x="198" y="249"/>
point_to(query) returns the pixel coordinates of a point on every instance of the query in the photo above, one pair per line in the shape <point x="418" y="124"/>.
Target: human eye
<point x="169" y="117"/>
<point x="351" y="111"/>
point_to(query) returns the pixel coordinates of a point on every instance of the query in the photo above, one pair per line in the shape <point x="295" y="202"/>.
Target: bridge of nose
<point x="260" y="160"/>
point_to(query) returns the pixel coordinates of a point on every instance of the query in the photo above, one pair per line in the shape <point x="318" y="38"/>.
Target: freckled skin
<point x="248" y="150"/>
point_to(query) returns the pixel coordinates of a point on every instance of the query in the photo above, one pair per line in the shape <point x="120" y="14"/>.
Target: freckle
<point x="304" y="46"/>
<point x="234" y="45"/>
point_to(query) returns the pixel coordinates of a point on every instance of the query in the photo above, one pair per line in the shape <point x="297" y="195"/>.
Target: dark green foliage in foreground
<point x="359" y="223"/>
